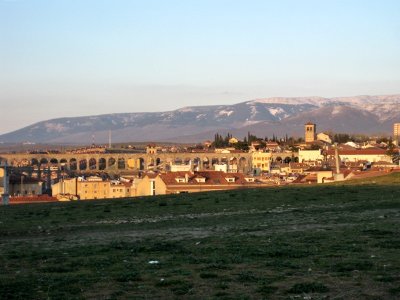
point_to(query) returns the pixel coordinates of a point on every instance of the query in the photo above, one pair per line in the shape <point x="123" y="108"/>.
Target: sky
<point x="70" y="58"/>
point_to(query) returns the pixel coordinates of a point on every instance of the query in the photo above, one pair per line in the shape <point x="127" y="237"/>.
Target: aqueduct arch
<point x="118" y="162"/>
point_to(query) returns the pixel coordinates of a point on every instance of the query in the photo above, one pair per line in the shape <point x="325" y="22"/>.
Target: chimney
<point x="337" y="159"/>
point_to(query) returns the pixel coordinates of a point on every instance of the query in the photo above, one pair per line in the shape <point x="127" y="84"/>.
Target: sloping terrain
<point x="315" y="242"/>
<point x="362" y="114"/>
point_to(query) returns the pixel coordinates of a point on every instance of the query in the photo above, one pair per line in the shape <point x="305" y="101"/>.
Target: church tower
<point x="310" y="132"/>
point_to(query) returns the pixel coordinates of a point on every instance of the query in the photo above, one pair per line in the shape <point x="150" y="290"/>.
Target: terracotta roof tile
<point x="359" y="152"/>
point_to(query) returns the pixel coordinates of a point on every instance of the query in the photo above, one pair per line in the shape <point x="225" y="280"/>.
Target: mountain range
<point x="262" y="117"/>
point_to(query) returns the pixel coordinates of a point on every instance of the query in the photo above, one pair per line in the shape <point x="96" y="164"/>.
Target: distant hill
<point x="263" y="117"/>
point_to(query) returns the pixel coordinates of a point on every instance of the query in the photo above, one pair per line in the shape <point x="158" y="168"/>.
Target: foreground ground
<point x="320" y="242"/>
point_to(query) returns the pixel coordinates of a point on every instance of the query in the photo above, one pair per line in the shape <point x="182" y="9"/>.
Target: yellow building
<point x="92" y="188"/>
<point x="261" y="160"/>
<point x="150" y="185"/>
<point x="152" y="149"/>
<point x="121" y="190"/>
<point x="233" y="140"/>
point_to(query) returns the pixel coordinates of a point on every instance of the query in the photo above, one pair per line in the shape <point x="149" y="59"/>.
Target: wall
<point x="66" y="186"/>
<point x="306" y="155"/>
<point x="143" y="186"/>
<point x="25" y="189"/>
<point x="368" y="157"/>
<point x="93" y="189"/>
<point x="262" y="160"/>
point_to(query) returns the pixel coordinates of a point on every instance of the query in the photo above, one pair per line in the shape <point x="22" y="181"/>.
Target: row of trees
<point x="223" y="141"/>
<point x="340" y="138"/>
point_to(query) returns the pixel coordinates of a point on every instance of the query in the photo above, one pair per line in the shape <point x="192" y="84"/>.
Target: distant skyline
<point x="71" y="58"/>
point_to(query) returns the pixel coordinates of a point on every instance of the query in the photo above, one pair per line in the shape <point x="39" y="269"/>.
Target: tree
<point x="391" y="149"/>
<point x="241" y="146"/>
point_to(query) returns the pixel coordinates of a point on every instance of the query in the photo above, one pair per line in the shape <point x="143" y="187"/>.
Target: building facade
<point x="261" y="160"/>
<point x="92" y="188"/>
<point x="190" y="182"/>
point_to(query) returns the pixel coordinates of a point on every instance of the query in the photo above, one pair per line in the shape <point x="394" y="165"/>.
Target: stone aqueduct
<point x="119" y="162"/>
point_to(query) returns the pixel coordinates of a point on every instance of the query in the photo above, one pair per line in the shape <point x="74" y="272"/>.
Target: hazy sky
<point x="84" y="57"/>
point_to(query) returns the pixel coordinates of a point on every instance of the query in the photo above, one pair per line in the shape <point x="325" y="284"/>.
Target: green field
<point x="310" y="242"/>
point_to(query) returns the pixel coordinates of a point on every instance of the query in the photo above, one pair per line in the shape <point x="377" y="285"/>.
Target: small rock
<point x="153" y="262"/>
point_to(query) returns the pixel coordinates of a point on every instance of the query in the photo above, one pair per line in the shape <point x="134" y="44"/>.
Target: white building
<point x="310" y="155"/>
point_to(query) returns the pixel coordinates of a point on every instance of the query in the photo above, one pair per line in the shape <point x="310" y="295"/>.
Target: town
<point x="106" y="172"/>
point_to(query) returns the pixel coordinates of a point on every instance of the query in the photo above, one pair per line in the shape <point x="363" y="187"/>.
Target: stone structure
<point x="310" y="130"/>
<point x="122" y="162"/>
<point x="396" y="133"/>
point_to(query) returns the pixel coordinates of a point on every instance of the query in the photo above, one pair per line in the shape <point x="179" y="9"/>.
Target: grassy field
<point x="317" y="242"/>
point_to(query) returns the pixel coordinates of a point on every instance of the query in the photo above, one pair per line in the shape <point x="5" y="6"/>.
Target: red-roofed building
<point x="371" y="155"/>
<point x="32" y="199"/>
<point x="189" y="182"/>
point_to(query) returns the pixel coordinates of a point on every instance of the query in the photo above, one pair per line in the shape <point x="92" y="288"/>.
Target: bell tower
<point x="310" y="132"/>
